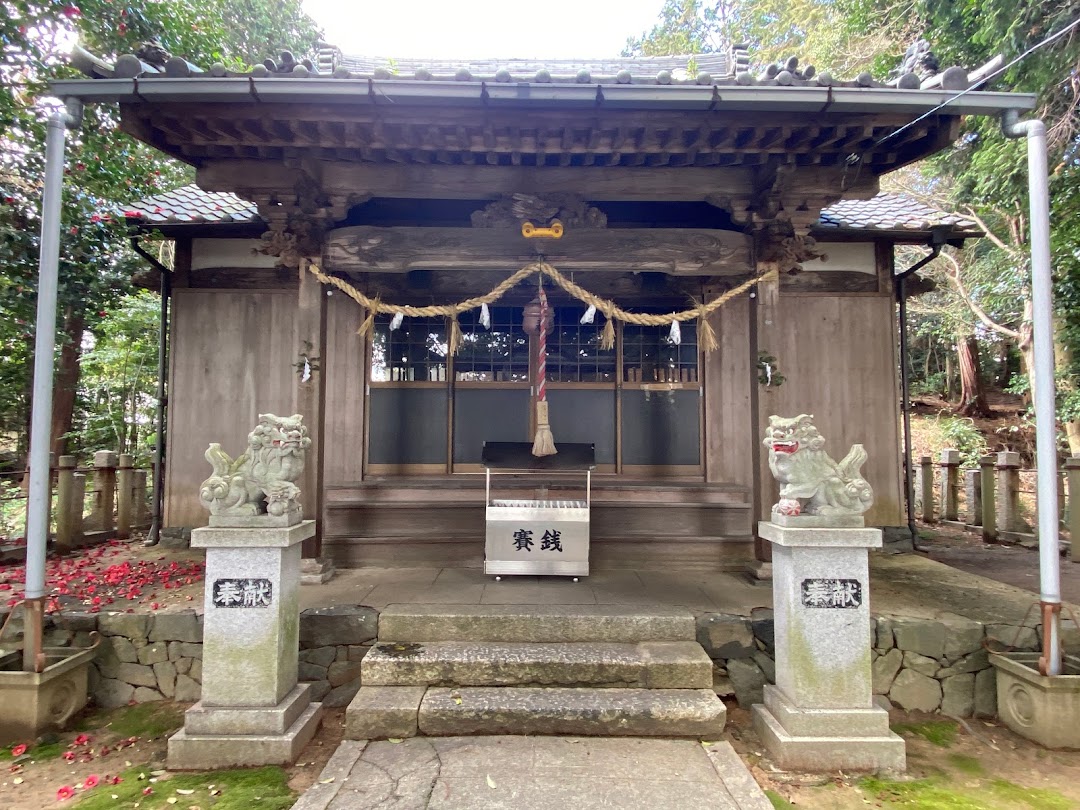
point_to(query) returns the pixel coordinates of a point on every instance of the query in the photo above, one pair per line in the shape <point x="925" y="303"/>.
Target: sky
<point x="482" y="29"/>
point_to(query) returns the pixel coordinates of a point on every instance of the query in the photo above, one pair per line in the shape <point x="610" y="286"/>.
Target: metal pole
<point x="1043" y="384"/>
<point x="165" y="290"/>
<point x="40" y="492"/>
<point x="905" y="409"/>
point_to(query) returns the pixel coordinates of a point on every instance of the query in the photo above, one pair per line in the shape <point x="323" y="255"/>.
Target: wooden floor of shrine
<point x="635" y="523"/>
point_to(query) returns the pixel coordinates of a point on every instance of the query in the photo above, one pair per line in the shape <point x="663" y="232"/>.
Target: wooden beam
<point x="677" y="251"/>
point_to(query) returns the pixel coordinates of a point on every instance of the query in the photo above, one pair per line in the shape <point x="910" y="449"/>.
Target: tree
<point x="105" y="167"/>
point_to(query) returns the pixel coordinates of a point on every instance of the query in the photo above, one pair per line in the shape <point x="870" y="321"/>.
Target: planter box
<point x="1042" y="708"/>
<point x="36" y="702"/>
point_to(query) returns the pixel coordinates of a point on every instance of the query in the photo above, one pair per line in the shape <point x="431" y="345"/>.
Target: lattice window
<point x="415" y="352"/>
<point x="574" y="353"/>
<point x="500" y="354"/>
<point x="650" y="356"/>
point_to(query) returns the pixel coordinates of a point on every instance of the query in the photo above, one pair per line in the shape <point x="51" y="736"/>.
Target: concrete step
<point x="535" y="623"/>
<point x="650" y="664"/>
<point x="695" y="713"/>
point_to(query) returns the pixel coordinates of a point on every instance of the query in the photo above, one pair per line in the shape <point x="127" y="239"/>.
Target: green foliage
<point x="116" y="403"/>
<point x="265" y="788"/>
<point x="960" y="433"/>
<point x="105" y="167"/>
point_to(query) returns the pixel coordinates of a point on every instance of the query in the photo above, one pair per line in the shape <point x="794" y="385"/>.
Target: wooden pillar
<point x="1008" y="492"/>
<point x="973" y="497"/>
<point x="124" y="496"/>
<point x="926" y="481"/>
<point x="310" y="396"/>
<point x="105" y="488"/>
<point x="65" y="519"/>
<point x="950" y="484"/>
<point x="1072" y="474"/>
<point x="989" y="512"/>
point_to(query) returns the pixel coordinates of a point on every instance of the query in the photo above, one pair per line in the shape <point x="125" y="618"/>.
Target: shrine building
<point x="325" y="184"/>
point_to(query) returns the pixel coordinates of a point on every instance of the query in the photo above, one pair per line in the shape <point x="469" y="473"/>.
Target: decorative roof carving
<point x="570" y="209"/>
<point x="918" y="59"/>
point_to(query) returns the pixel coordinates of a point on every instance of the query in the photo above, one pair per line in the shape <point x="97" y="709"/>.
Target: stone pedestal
<point x="252" y="711"/>
<point x="820" y="716"/>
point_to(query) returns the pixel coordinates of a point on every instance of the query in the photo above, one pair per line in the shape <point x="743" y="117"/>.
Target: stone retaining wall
<point x="145" y="657"/>
<point x="930" y="665"/>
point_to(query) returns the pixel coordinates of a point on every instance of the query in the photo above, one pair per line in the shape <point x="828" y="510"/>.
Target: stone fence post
<point x="68" y="512"/>
<point x="973" y="497"/>
<point x="140" y="517"/>
<point x="124" y="496"/>
<point x="989" y="515"/>
<point x="950" y="484"/>
<point x="926" y="477"/>
<point x="105" y="490"/>
<point x="1008" y="492"/>
<point x="1072" y="473"/>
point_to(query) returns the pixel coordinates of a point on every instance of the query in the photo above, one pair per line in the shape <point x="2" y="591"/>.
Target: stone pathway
<point x="528" y="773"/>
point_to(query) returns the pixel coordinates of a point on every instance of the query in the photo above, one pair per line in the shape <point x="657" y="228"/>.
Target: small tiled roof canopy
<point x="892" y="214"/>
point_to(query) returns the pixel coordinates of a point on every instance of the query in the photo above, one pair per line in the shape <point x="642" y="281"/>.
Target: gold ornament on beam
<point x="553" y="231"/>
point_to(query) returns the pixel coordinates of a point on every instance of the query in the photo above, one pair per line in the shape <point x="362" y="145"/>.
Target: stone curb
<point x="323" y="792"/>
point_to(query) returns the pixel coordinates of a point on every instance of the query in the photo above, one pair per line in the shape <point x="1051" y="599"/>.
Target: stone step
<point x="696" y="713"/>
<point x="535" y="623"/>
<point x="650" y="664"/>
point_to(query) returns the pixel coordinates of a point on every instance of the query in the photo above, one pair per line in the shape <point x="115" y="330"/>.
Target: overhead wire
<point x="857" y="158"/>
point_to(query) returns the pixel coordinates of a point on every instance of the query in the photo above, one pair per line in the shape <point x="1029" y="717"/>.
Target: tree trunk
<point x="949" y="387"/>
<point x="972" y="396"/>
<point x="1004" y="373"/>
<point x="67" y="380"/>
<point x="1026" y="345"/>
<point x="1063" y="360"/>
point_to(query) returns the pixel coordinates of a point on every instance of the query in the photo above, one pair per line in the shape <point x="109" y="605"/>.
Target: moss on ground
<point x="778" y="801"/>
<point x="967" y="764"/>
<point x="144" y="720"/>
<point x="242" y="789"/>
<point x="941" y="733"/>
<point x="35" y="753"/>
<point x="942" y="793"/>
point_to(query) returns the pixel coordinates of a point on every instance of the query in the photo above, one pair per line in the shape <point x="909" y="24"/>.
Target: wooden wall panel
<point x="231" y="359"/>
<point x="343" y="369"/>
<point x="728" y="381"/>
<point x="838" y="358"/>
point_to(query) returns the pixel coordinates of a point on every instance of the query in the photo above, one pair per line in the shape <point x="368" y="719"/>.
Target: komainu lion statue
<point x="811" y="483"/>
<point x="262" y="480"/>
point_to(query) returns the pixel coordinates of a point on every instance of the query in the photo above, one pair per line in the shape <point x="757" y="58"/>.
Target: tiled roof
<point x="891" y="212"/>
<point x="637" y="70"/>
<point x="726" y="69"/>
<point x="190" y="204"/>
<point x="885" y="212"/>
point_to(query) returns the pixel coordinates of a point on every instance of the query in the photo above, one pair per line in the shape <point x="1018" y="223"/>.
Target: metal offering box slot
<point x="529" y="536"/>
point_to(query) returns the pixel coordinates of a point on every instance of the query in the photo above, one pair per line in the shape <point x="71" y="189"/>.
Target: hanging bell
<point x="395" y="322"/>
<point x="530" y="320"/>
<point x="590" y="314"/>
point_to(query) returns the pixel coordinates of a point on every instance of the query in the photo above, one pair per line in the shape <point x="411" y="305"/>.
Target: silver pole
<point x="37" y="511"/>
<point x="1043" y="384"/>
